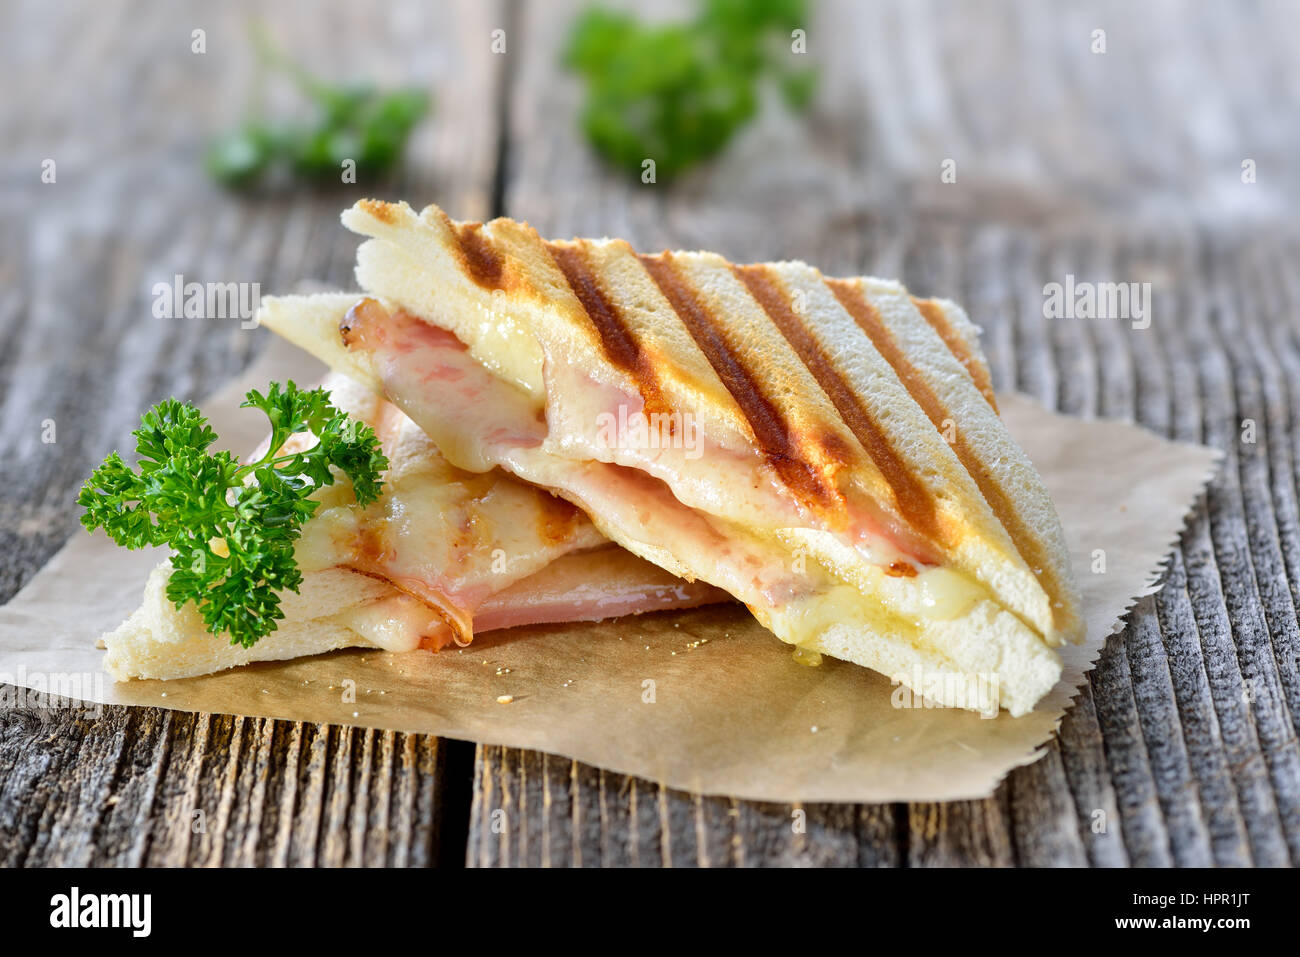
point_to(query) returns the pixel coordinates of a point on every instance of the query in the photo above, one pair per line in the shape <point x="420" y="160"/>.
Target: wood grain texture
<point x="1122" y="166"/>
<point x="139" y="787"/>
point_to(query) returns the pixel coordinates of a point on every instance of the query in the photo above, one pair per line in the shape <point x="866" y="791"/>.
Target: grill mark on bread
<point x="772" y="432"/>
<point x="482" y="262"/>
<point x="476" y="255"/>
<point x="617" y="339"/>
<point x="868" y="318"/>
<point x="914" y="501"/>
<point x="933" y="314"/>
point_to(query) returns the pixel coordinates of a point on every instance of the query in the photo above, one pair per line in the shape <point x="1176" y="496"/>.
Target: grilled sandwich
<point x="827" y="451"/>
<point x="442" y="555"/>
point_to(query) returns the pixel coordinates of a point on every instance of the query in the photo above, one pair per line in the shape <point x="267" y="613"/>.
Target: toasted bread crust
<point x="806" y="459"/>
<point x="913" y="498"/>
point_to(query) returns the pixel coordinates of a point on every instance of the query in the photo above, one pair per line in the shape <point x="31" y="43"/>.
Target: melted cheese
<point x="933" y="592"/>
<point x="394" y="624"/>
<point x="509" y="351"/>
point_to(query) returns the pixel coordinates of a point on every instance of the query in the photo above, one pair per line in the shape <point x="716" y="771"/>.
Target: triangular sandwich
<point x="828" y="451"/>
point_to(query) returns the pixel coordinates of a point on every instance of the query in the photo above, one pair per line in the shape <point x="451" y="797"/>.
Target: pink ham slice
<point x="586" y="586"/>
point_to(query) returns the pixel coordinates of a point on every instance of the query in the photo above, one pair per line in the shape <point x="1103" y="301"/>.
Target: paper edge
<point x="1153" y="581"/>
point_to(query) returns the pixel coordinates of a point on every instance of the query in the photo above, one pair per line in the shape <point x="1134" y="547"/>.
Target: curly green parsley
<point x="233" y="539"/>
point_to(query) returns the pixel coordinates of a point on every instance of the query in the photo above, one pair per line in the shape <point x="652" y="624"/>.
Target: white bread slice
<point x="335" y="609"/>
<point x="557" y="567"/>
<point x="934" y="349"/>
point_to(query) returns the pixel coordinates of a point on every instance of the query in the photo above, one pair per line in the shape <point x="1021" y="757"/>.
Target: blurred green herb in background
<point x="352" y="121"/>
<point x="676" y="93"/>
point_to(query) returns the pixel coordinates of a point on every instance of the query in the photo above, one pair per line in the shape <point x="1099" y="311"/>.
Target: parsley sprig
<point x="233" y="538"/>
<point x="677" y="92"/>
<point x="354" y="121"/>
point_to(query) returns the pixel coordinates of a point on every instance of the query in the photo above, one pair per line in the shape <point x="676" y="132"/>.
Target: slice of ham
<point x="606" y="582"/>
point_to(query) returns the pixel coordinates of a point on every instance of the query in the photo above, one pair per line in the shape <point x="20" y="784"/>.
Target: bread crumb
<point x="505" y="699"/>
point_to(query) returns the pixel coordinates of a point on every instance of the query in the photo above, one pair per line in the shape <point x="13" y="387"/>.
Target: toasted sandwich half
<point x="442" y="555"/>
<point x="827" y="451"/>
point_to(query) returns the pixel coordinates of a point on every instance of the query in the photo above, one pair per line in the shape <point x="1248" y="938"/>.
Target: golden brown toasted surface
<point x="806" y="461"/>
<point x="483" y="263"/>
<point x="618" y="340"/>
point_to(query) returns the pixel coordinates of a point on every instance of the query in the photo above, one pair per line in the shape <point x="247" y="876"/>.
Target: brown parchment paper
<point x="703" y="700"/>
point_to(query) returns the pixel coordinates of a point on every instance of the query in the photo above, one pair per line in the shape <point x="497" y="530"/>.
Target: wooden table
<point x="1124" y="166"/>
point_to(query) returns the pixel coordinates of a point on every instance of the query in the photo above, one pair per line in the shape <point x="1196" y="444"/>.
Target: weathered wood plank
<point x="1091" y="787"/>
<point x="1273" y="636"/>
<point x="1234" y="604"/>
